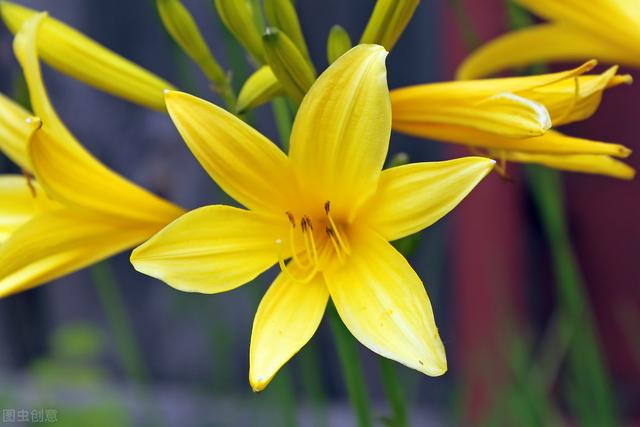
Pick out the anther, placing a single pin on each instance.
(292, 219)
(327, 206)
(308, 221)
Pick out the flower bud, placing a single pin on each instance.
(388, 21)
(294, 72)
(261, 87)
(338, 43)
(76, 55)
(239, 16)
(181, 26)
(282, 15)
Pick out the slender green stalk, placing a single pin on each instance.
(284, 121)
(394, 393)
(312, 383)
(586, 363)
(119, 322)
(351, 368)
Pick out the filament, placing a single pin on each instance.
(285, 269)
(334, 228)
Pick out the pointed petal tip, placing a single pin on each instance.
(259, 383)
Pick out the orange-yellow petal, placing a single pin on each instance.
(20, 200)
(14, 132)
(556, 42)
(59, 242)
(213, 249)
(244, 163)
(414, 196)
(341, 133)
(383, 302)
(288, 316)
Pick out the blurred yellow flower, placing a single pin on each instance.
(325, 213)
(608, 30)
(76, 55)
(509, 118)
(77, 211)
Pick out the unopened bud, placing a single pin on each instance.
(388, 21)
(261, 87)
(338, 43)
(294, 72)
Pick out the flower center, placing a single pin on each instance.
(313, 243)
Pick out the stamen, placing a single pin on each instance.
(332, 237)
(334, 228)
(285, 268)
(292, 219)
(310, 241)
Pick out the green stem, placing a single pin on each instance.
(586, 362)
(284, 121)
(312, 383)
(351, 369)
(119, 322)
(394, 393)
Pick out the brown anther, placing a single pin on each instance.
(330, 232)
(308, 221)
(327, 206)
(292, 219)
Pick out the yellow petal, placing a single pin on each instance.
(483, 88)
(551, 142)
(262, 86)
(541, 43)
(585, 163)
(504, 113)
(288, 316)
(64, 168)
(71, 175)
(245, 164)
(414, 196)
(341, 134)
(383, 303)
(14, 132)
(76, 55)
(213, 249)
(59, 242)
(575, 99)
(614, 20)
(20, 200)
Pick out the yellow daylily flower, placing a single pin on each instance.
(77, 211)
(608, 30)
(72, 53)
(325, 213)
(514, 114)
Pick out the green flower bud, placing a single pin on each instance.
(338, 43)
(260, 88)
(388, 21)
(294, 72)
(239, 16)
(281, 14)
(181, 26)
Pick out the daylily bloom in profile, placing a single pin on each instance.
(608, 30)
(325, 213)
(76, 211)
(72, 53)
(509, 118)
